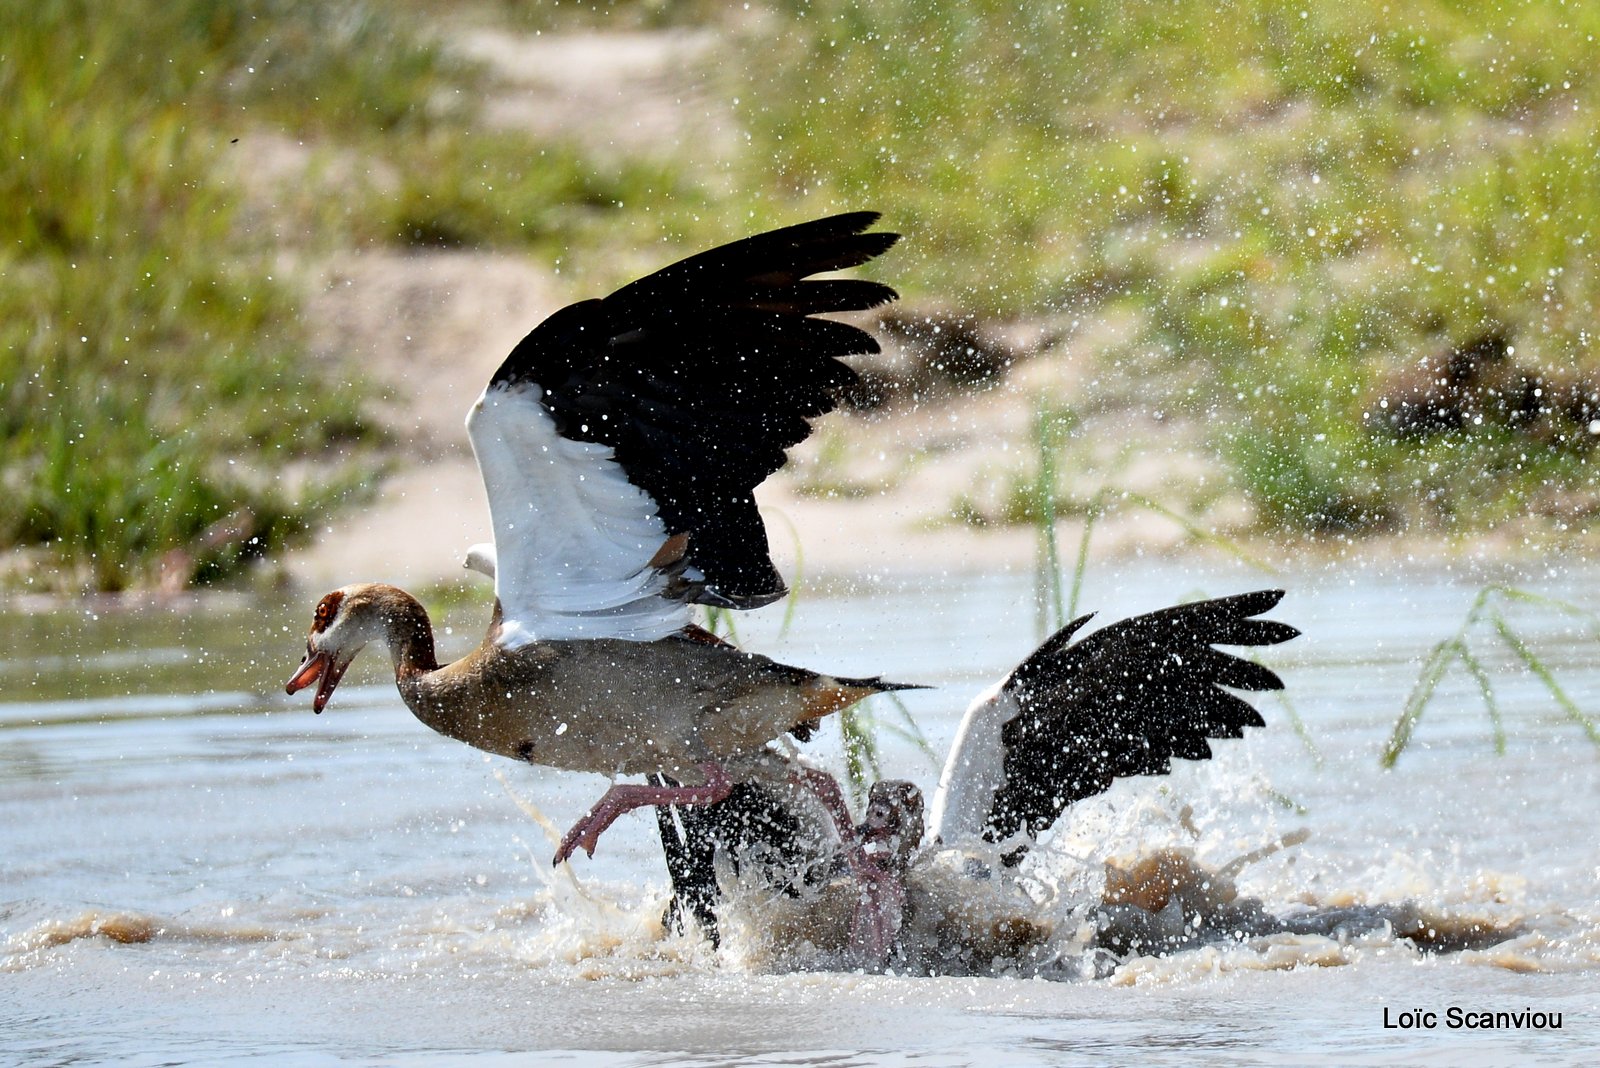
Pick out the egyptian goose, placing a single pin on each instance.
(620, 443)
(1073, 716)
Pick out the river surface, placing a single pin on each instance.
(194, 869)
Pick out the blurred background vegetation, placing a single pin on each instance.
(1350, 240)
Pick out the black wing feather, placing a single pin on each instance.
(1125, 701)
(700, 377)
(753, 824)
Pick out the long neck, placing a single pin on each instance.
(407, 632)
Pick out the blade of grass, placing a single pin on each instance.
(1080, 567)
(908, 728)
(1520, 649)
(861, 768)
(1285, 801)
(1300, 729)
(1199, 533)
(1486, 688)
(1512, 593)
(1427, 681)
(792, 601)
(1048, 576)
(720, 621)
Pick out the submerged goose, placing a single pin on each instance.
(1074, 715)
(620, 443)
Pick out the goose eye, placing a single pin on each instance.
(326, 609)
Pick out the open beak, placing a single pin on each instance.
(322, 669)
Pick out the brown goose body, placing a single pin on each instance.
(617, 707)
(620, 443)
(602, 705)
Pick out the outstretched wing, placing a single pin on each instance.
(1123, 701)
(622, 440)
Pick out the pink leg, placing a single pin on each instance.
(881, 908)
(627, 797)
(879, 913)
(826, 789)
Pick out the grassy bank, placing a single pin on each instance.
(1292, 204)
(155, 389)
(1286, 206)
(160, 417)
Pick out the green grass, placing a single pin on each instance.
(506, 189)
(1297, 200)
(861, 725)
(156, 384)
(1292, 202)
(1487, 613)
(597, 15)
(1041, 147)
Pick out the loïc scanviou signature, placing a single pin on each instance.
(1456, 1018)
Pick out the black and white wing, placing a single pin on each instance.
(1123, 701)
(622, 440)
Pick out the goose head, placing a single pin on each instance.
(893, 825)
(342, 625)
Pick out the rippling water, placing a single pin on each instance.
(195, 869)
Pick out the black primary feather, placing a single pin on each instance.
(753, 825)
(1126, 700)
(702, 375)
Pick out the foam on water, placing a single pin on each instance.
(1141, 887)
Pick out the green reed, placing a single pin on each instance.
(1487, 614)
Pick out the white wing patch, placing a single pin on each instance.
(573, 538)
(975, 769)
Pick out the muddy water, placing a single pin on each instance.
(195, 869)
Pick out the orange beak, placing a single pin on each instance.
(322, 669)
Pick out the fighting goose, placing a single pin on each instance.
(620, 443)
(1074, 715)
